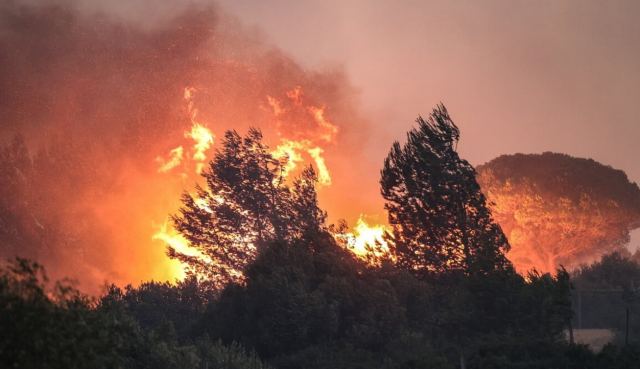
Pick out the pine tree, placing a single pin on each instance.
(439, 216)
(246, 204)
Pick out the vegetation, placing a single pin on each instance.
(246, 205)
(606, 296)
(439, 215)
(560, 210)
(271, 286)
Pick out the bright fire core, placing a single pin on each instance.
(297, 151)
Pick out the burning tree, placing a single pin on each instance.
(246, 204)
(557, 209)
(439, 216)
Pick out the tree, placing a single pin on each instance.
(246, 204)
(438, 214)
(560, 210)
(45, 326)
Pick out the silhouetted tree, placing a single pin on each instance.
(246, 204)
(439, 216)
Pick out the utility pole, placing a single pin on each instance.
(626, 331)
(629, 296)
(579, 309)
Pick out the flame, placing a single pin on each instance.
(367, 241)
(202, 136)
(292, 152)
(202, 204)
(175, 158)
(321, 127)
(289, 150)
(324, 178)
(366, 237)
(330, 130)
(203, 140)
(295, 95)
(175, 240)
(275, 106)
(316, 131)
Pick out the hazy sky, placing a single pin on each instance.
(517, 76)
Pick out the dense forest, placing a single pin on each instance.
(270, 286)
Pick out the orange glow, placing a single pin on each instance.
(175, 158)
(202, 135)
(203, 140)
(173, 239)
(324, 178)
(120, 117)
(328, 128)
(288, 152)
(366, 240)
(295, 95)
(291, 153)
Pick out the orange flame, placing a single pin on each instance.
(324, 178)
(203, 140)
(291, 151)
(330, 130)
(175, 158)
(202, 135)
(199, 133)
(367, 241)
(173, 239)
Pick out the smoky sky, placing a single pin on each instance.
(97, 93)
(517, 76)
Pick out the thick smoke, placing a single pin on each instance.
(560, 210)
(90, 100)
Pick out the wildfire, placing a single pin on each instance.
(291, 152)
(316, 125)
(366, 240)
(175, 158)
(173, 239)
(330, 130)
(295, 148)
(201, 135)
(203, 140)
(323, 172)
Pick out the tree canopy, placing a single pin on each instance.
(560, 210)
(440, 218)
(246, 203)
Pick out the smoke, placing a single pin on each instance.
(560, 210)
(98, 95)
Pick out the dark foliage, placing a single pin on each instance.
(605, 292)
(313, 305)
(439, 216)
(245, 205)
(57, 327)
